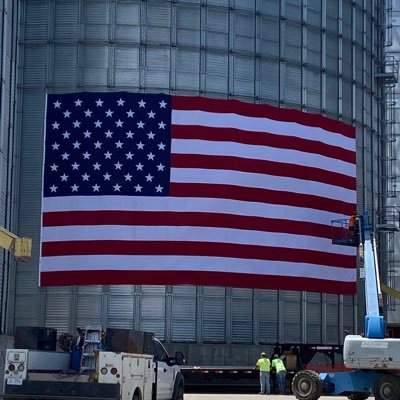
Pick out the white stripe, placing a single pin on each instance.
(179, 263)
(262, 181)
(188, 204)
(264, 153)
(192, 234)
(258, 124)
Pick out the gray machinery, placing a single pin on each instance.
(373, 359)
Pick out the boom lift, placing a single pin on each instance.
(20, 247)
(373, 358)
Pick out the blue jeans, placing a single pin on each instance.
(264, 382)
(281, 377)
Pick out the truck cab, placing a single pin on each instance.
(170, 384)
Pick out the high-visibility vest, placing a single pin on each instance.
(264, 364)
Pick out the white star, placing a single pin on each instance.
(66, 114)
(75, 187)
(53, 188)
(75, 165)
(108, 133)
(161, 125)
(65, 156)
(54, 167)
(116, 187)
(118, 165)
(96, 188)
(151, 114)
(85, 177)
(140, 124)
(66, 134)
(109, 113)
(76, 145)
(120, 102)
(96, 166)
(57, 104)
(55, 125)
(98, 124)
(88, 113)
(77, 124)
(139, 167)
(150, 156)
(99, 103)
(119, 144)
(55, 146)
(141, 103)
(107, 176)
(128, 177)
(140, 145)
(138, 188)
(162, 104)
(64, 177)
(86, 156)
(159, 189)
(130, 113)
(149, 178)
(161, 146)
(78, 103)
(160, 167)
(119, 123)
(129, 156)
(107, 155)
(151, 135)
(97, 145)
(130, 134)
(87, 134)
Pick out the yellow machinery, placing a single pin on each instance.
(20, 247)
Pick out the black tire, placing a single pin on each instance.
(359, 396)
(136, 396)
(387, 387)
(179, 393)
(306, 385)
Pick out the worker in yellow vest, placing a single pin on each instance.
(280, 370)
(264, 366)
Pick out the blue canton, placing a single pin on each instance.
(107, 144)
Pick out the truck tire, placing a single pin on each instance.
(387, 387)
(359, 396)
(306, 385)
(179, 393)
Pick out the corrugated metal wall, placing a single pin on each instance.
(393, 270)
(314, 55)
(9, 141)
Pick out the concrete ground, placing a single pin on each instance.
(241, 396)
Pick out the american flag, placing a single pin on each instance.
(159, 189)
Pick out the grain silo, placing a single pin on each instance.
(318, 56)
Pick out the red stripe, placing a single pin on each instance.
(206, 249)
(260, 195)
(262, 139)
(113, 277)
(165, 218)
(263, 167)
(263, 111)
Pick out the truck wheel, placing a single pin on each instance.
(179, 393)
(306, 385)
(387, 387)
(359, 396)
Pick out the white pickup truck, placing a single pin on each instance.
(34, 374)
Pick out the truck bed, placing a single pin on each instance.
(45, 386)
